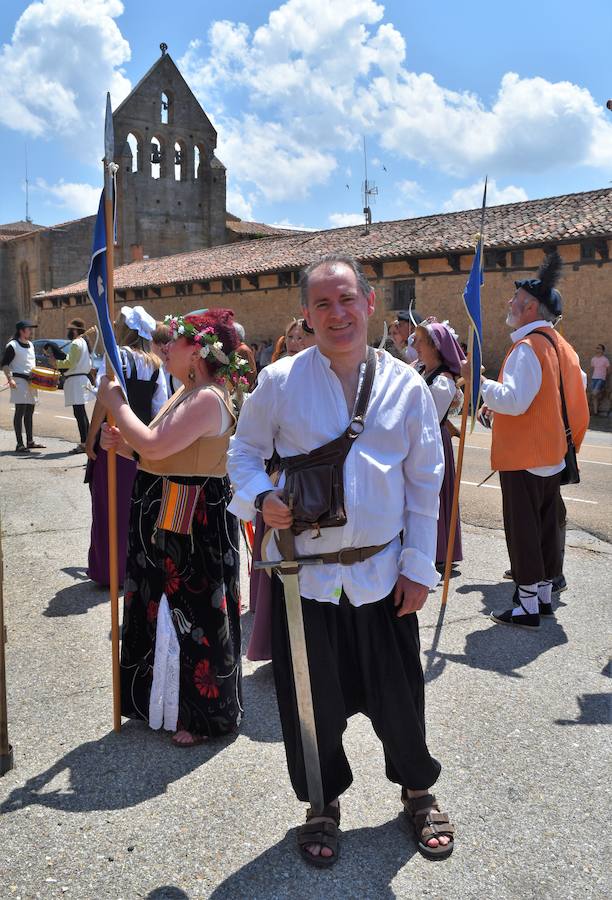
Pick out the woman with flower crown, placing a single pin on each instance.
(180, 654)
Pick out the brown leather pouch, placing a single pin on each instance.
(314, 482)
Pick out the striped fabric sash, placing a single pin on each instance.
(178, 505)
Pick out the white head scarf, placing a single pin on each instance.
(138, 319)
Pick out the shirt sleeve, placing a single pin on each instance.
(160, 394)
(521, 382)
(423, 473)
(251, 445)
(8, 356)
(443, 392)
(74, 355)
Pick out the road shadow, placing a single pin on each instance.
(595, 709)
(76, 599)
(261, 721)
(117, 771)
(370, 858)
(500, 648)
(167, 892)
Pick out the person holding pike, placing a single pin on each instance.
(361, 457)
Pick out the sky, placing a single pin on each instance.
(443, 94)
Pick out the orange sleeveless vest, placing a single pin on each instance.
(537, 437)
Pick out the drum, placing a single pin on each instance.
(44, 379)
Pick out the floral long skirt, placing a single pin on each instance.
(199, 575)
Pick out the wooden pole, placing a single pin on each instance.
(113, 557)
(455, 507)
(6, 751)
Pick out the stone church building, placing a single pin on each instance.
(170, 198)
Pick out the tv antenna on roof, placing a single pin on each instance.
(27, 187)
(370, 191)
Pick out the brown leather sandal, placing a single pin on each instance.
(428, 822)
(323, 833)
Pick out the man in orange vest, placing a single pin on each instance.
(529, 441)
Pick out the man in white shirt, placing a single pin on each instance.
(529, 441)
(360, 620)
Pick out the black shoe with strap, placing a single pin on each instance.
(325, 834)
(545, 609)
(428, 822)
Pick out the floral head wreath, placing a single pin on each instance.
(232, 367)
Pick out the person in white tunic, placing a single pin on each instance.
(359, 603)
(17, 363)
(77, 386)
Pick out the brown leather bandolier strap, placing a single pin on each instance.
(348, 556)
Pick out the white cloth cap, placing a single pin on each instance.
(138, 319)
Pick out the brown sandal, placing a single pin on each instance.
(323, 833)
(428, 822)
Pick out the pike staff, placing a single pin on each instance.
(471, 300)
(100, 289)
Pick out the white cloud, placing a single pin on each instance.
(291, 226)
(318, 75)
(239, 205)
(409, 190)
(54, 72)
(471, 197)
(76, 199)
(340, 220)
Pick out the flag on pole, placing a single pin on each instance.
(471, 300)
(96, 289)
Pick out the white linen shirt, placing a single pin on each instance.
(392, 475)
(522, 379)
(144, 371)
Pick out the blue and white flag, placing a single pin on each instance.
(96, 288)
(471, 300)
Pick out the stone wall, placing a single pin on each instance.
(264, 310)
(162, 215)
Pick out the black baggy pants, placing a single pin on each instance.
(362, 659)
(533, 508)
(24, 413)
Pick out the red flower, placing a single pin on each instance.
(172, 580)
(205, 680)
(152, 611)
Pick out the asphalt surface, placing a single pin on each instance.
(520, 722)
(586, 504)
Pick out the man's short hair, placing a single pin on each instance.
(332, 259)
(240, 331)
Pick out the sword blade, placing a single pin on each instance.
(301, 679)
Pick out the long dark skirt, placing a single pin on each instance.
(98, 544)
(201, 582)
(446, 504)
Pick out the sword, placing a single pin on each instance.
(301, 672)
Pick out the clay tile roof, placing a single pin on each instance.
(258, 229)
(513, 225)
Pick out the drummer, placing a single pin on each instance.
(78, 365)
(17, 363)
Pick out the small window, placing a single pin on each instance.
(230, 285)
(517, 258)
(136, 148)
(180, 162)
(165, 109)
(284, 279)
(156, 158)
(404, 292)
(587, 250)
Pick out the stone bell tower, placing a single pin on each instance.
(170, 184)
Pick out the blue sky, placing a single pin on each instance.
(516, 91)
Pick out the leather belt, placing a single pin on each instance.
(345, 557)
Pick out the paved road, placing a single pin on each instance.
(518, 720)
(586, 504)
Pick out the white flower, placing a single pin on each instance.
(219, 354)
(204, 351)
(181, 329)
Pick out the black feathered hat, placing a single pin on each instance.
(543, 287)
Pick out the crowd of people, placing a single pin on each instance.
(214, 430)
